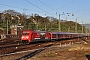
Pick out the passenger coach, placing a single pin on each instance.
(61, 35)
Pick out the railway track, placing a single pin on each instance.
(7, 42)
(11, 49)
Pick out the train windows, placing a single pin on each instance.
(59, 35)
(25, 34)
(54, 35)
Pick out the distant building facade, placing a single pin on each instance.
(16, 29)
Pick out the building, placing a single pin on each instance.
(16, 29)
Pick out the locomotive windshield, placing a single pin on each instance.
(25, 33)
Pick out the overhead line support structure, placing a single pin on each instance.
(59, 24)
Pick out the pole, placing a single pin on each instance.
(45, 23)
(37, 26)
(82, 26)
(59, 28)
(86, 28)
(7, 26)
(69, 29)
(66, 18)
(37, 23)
(76, 26)
(45, 27)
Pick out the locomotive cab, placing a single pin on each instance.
(32, 36)
(26, 36)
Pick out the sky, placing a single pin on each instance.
(80, 8)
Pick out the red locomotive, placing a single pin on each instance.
(34, 36)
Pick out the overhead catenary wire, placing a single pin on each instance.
(42, 9)
(60, 7)
(15, 7)
(65, 5)
(24, 9)
(20, 8)
(37, 7)
(46, 5)
(53, 8)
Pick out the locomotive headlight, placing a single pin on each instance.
(22, 37)
(46, 37)
(27, 37)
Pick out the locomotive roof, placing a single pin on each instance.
(35, 31)
(40, 31)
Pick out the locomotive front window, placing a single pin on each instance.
(25, 33)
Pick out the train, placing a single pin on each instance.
(29, 36)
(32, 36)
